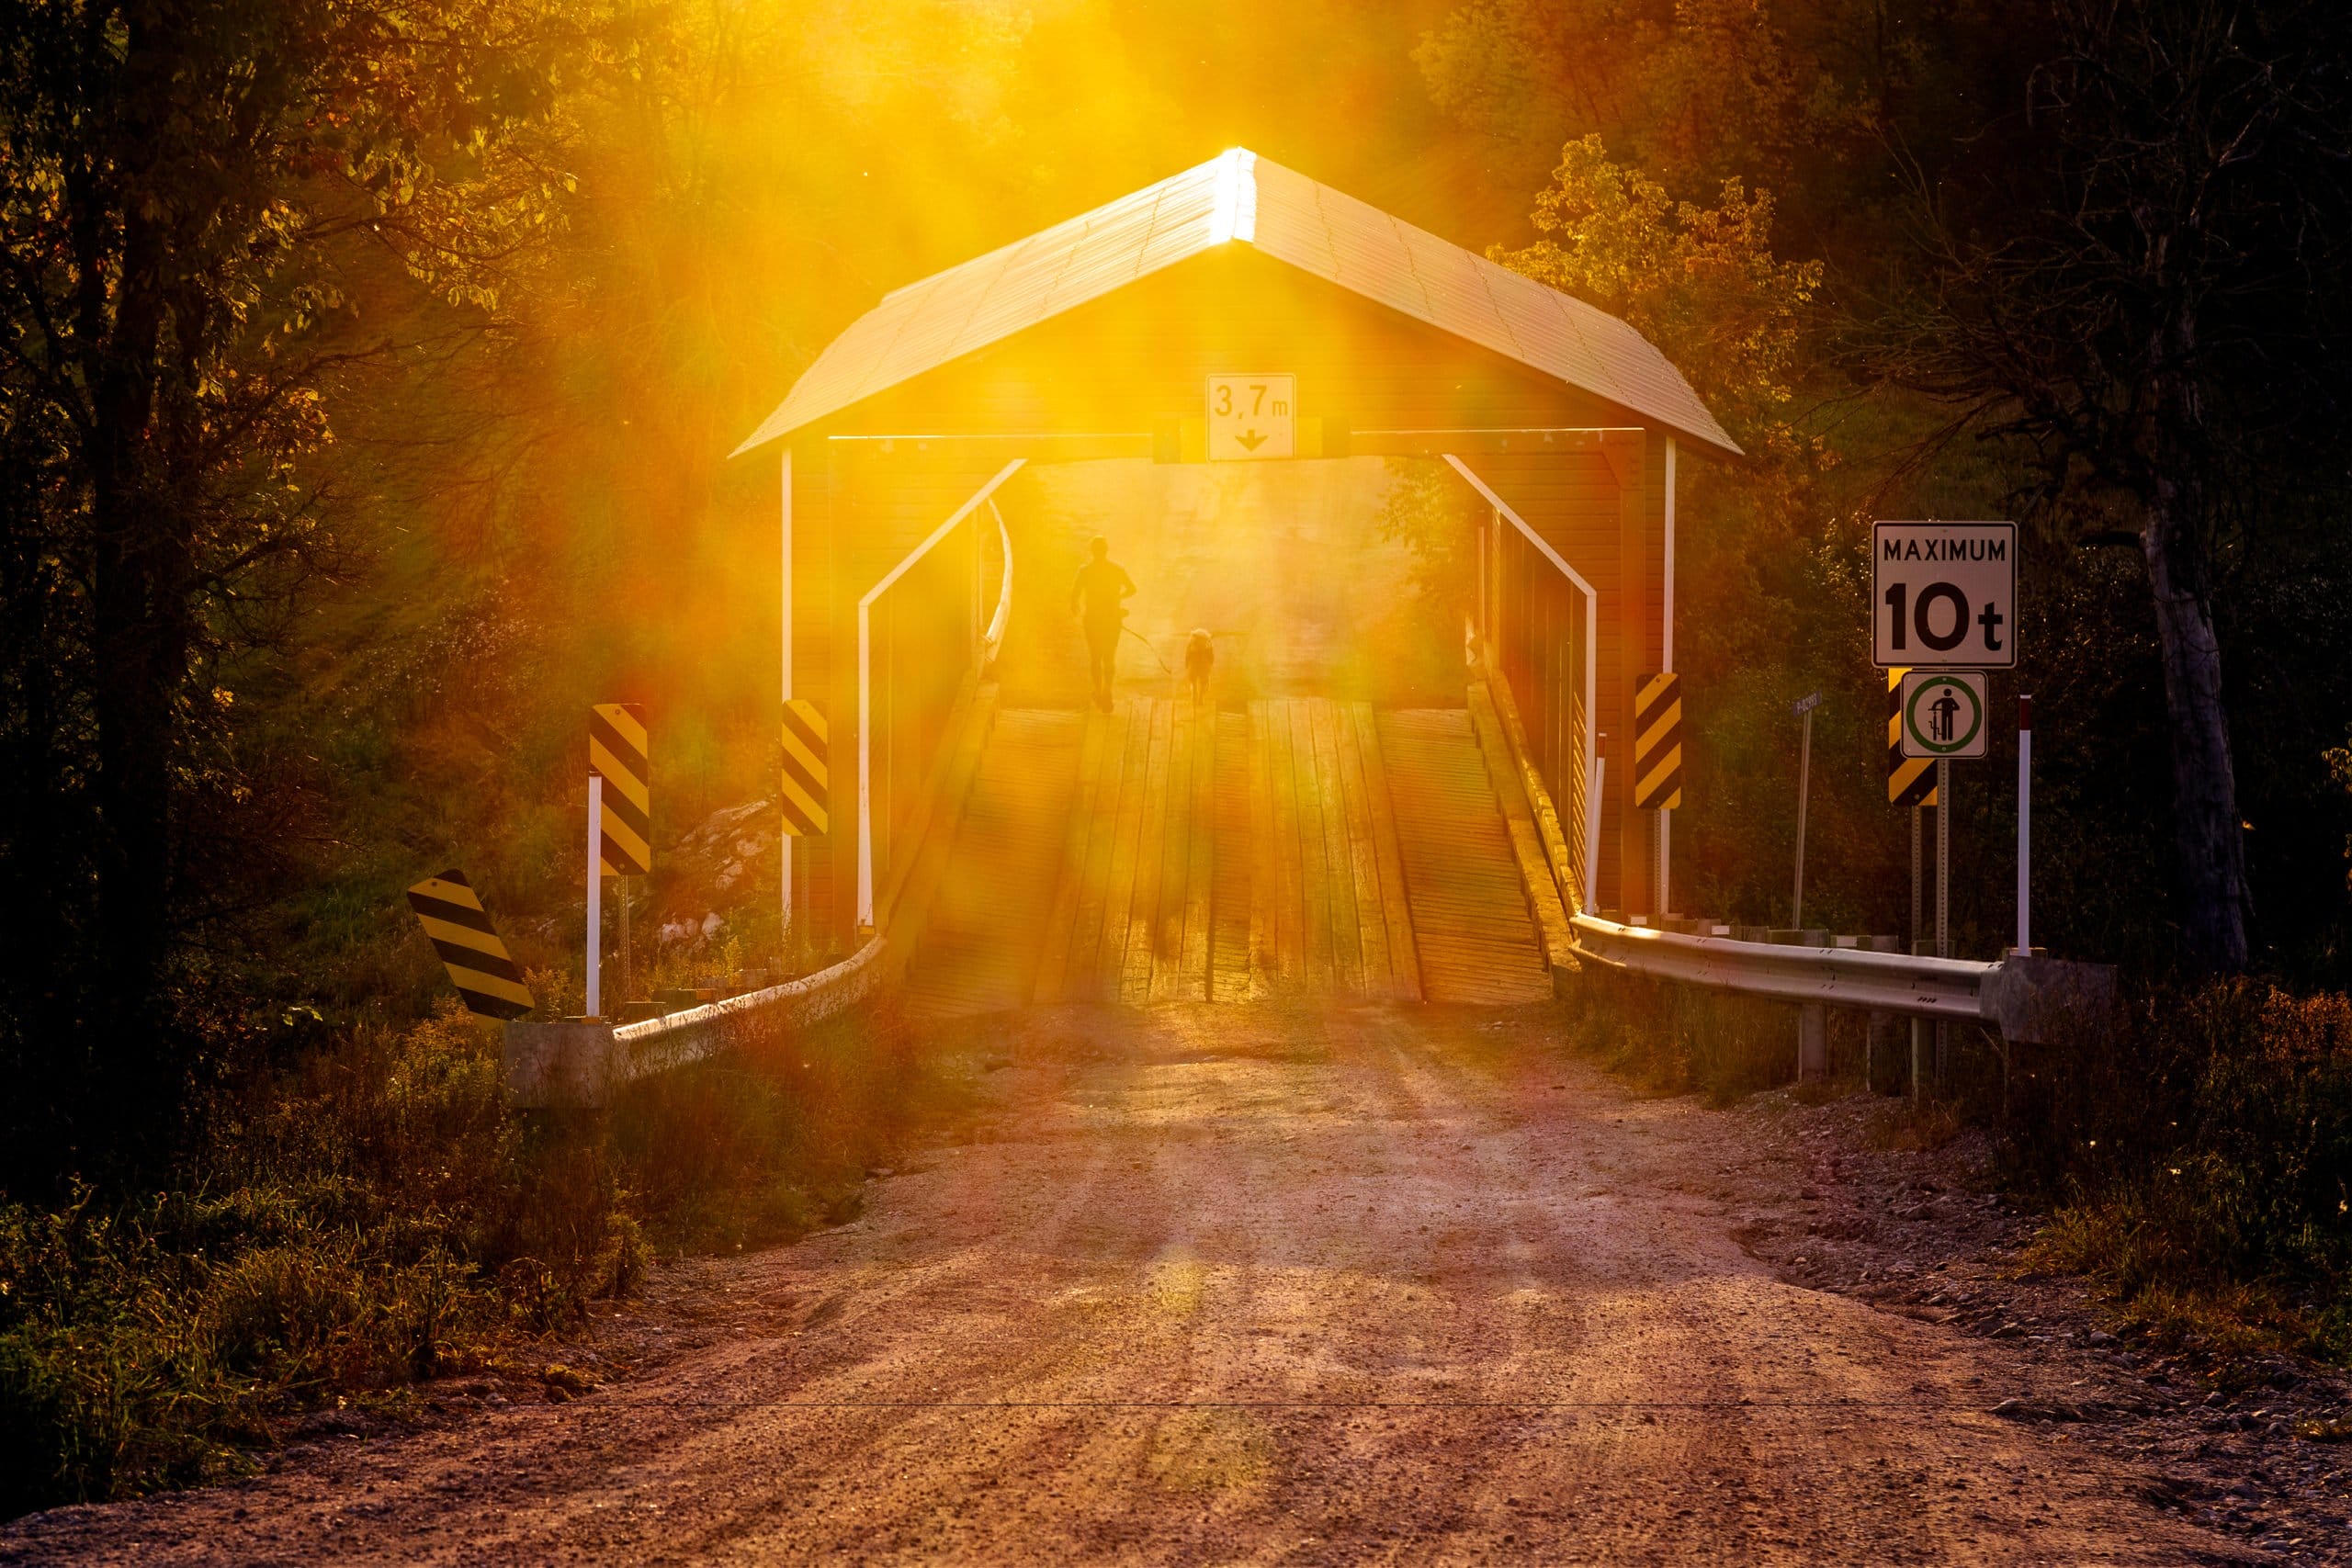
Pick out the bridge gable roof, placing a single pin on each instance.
(1241, 198)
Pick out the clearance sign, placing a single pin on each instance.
(1944, 595)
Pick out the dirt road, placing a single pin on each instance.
(1222, 1285)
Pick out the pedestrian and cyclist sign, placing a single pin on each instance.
(1943, 713)
(1944, 594)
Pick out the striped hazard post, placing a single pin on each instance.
(807, 775)
(617, 754)
(1658, 743)
(1910, 781)
(485, 974)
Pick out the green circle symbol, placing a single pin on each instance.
(1967, 695)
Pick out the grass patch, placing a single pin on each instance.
(380, 1215)
(1680, 1040)
(2112, 1241)
(2200, 1163)
(2197, 1158)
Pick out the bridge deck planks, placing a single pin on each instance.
(1338, 861)
(982, 948)
(1404, 958)
(1476, 942)
(1054, 968)
(1314, 862)
(1371, 918)
(1265, 877)
(1197, 848)
(1233, 862)
(1135, 968)
(1126, 826)
(1157, 852)
(1323, 919)
(1140, 862)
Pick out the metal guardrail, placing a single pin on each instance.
(2037, 1000)
(1839, 976)
(580, 1063)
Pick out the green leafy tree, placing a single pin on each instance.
(190, 191)
(1701, 282)
(1825, 102)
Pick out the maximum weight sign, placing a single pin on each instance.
(1944, 594)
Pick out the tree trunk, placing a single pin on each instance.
(139, 655)
(2205, 793)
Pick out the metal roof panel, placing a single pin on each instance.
(1241, 198)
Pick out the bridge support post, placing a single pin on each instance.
(786, 951)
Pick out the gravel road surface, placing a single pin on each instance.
(1244, 1285)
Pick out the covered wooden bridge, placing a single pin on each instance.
(1028, 846)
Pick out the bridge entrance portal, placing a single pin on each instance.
(1379, 795)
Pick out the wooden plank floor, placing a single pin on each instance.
(1476, 940)
(981, 951)
(1133, 907)
(1329, 911)
(1157, 852)
(1232, 862)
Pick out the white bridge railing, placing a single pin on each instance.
(580, 1062)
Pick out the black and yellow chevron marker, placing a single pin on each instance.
(1910, 781)
(1658, 743)
(479, 963)
(807, 788)
(617, 755)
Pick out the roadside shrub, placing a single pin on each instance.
(774, 1137)
(2198, 1157)
(378, 1215)
(2203, 1158)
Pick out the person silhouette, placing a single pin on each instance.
(1099, 598)
(1945, 708)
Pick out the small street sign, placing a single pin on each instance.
(1251, 417)
(1658, 743)
(1944, 594)
(1943, 713)
(1910, 781)
(1803, 708)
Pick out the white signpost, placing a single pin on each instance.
(1803, 708)
(1943, 713)
(1252, 417)
(1944, 595)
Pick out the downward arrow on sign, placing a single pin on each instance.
(1251, 440)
